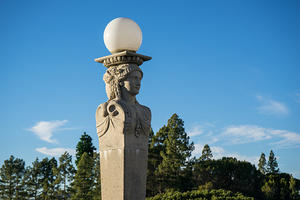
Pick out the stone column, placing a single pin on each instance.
(123, 127)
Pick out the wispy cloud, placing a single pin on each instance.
(55, 151)
(246, 134)
(45, 129)
(205, 130)
(250, 133)
(196, 130)
(289, 139)
(219, 152)
(271, 107)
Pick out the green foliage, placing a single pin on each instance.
(33, 180)
(11, 179)
(292, 186)
(176, 150)
(85, 145)
(229, 174)
(272, 164)
(47, 178)
(262, 163)
(65, 175)
(156, 146)
(201, 195)
(82, 186)
(206, 153)
(280, 187)
(97, 182)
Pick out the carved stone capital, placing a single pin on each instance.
(123, 57)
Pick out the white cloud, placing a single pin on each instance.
(250, 133)
(246, 134)
(288, 139)
(271, 107)
(45, 129)
(201, 129)
(196, 130)
(219, 152)
(55, 151)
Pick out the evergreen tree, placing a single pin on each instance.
(262, 163)
(206, 153)
(11, 177)
(83, 184)
(278, 187)
(178, 150)
(230, 174)
(48, 168)
(272, 164)
(292, 186)
(156, 148)
(150, 191)
(33, 180)
(97, 180)
(85, 144)
(65, 174)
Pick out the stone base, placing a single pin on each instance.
(123, 174)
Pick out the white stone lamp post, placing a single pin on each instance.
(123, 125)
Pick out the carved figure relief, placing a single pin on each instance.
(122, 112)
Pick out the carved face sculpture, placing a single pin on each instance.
(132, 83)
(126, 78)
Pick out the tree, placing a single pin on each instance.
(278, 187)
(178, 150)
(206, 153)
(33, 180)
(85, 144)
(230, 174)
(292, 186)
(97, 180)
(65, 174)
(262, 163)
(83, 184)
(152, 166)
(47, 172)
(272, 164)
(156, 144)
(11, 177)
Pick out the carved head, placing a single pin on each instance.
(126, 75)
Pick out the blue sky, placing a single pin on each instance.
(230, 69)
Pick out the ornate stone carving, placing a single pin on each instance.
(123, 57)
(122, 112)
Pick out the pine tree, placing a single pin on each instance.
(262, 163)
(156, 146)
(153, 159)
(269, 188)
(97, 180)
(292, 186)
(272, 164)
(84, 179)
(177, 151)
(85, 144)
(65, 174)
(48, 168)
(11, 176)
(206, 153)
(33, 180)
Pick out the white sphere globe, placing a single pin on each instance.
(122, 34)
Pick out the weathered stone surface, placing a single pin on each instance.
(123, 126)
